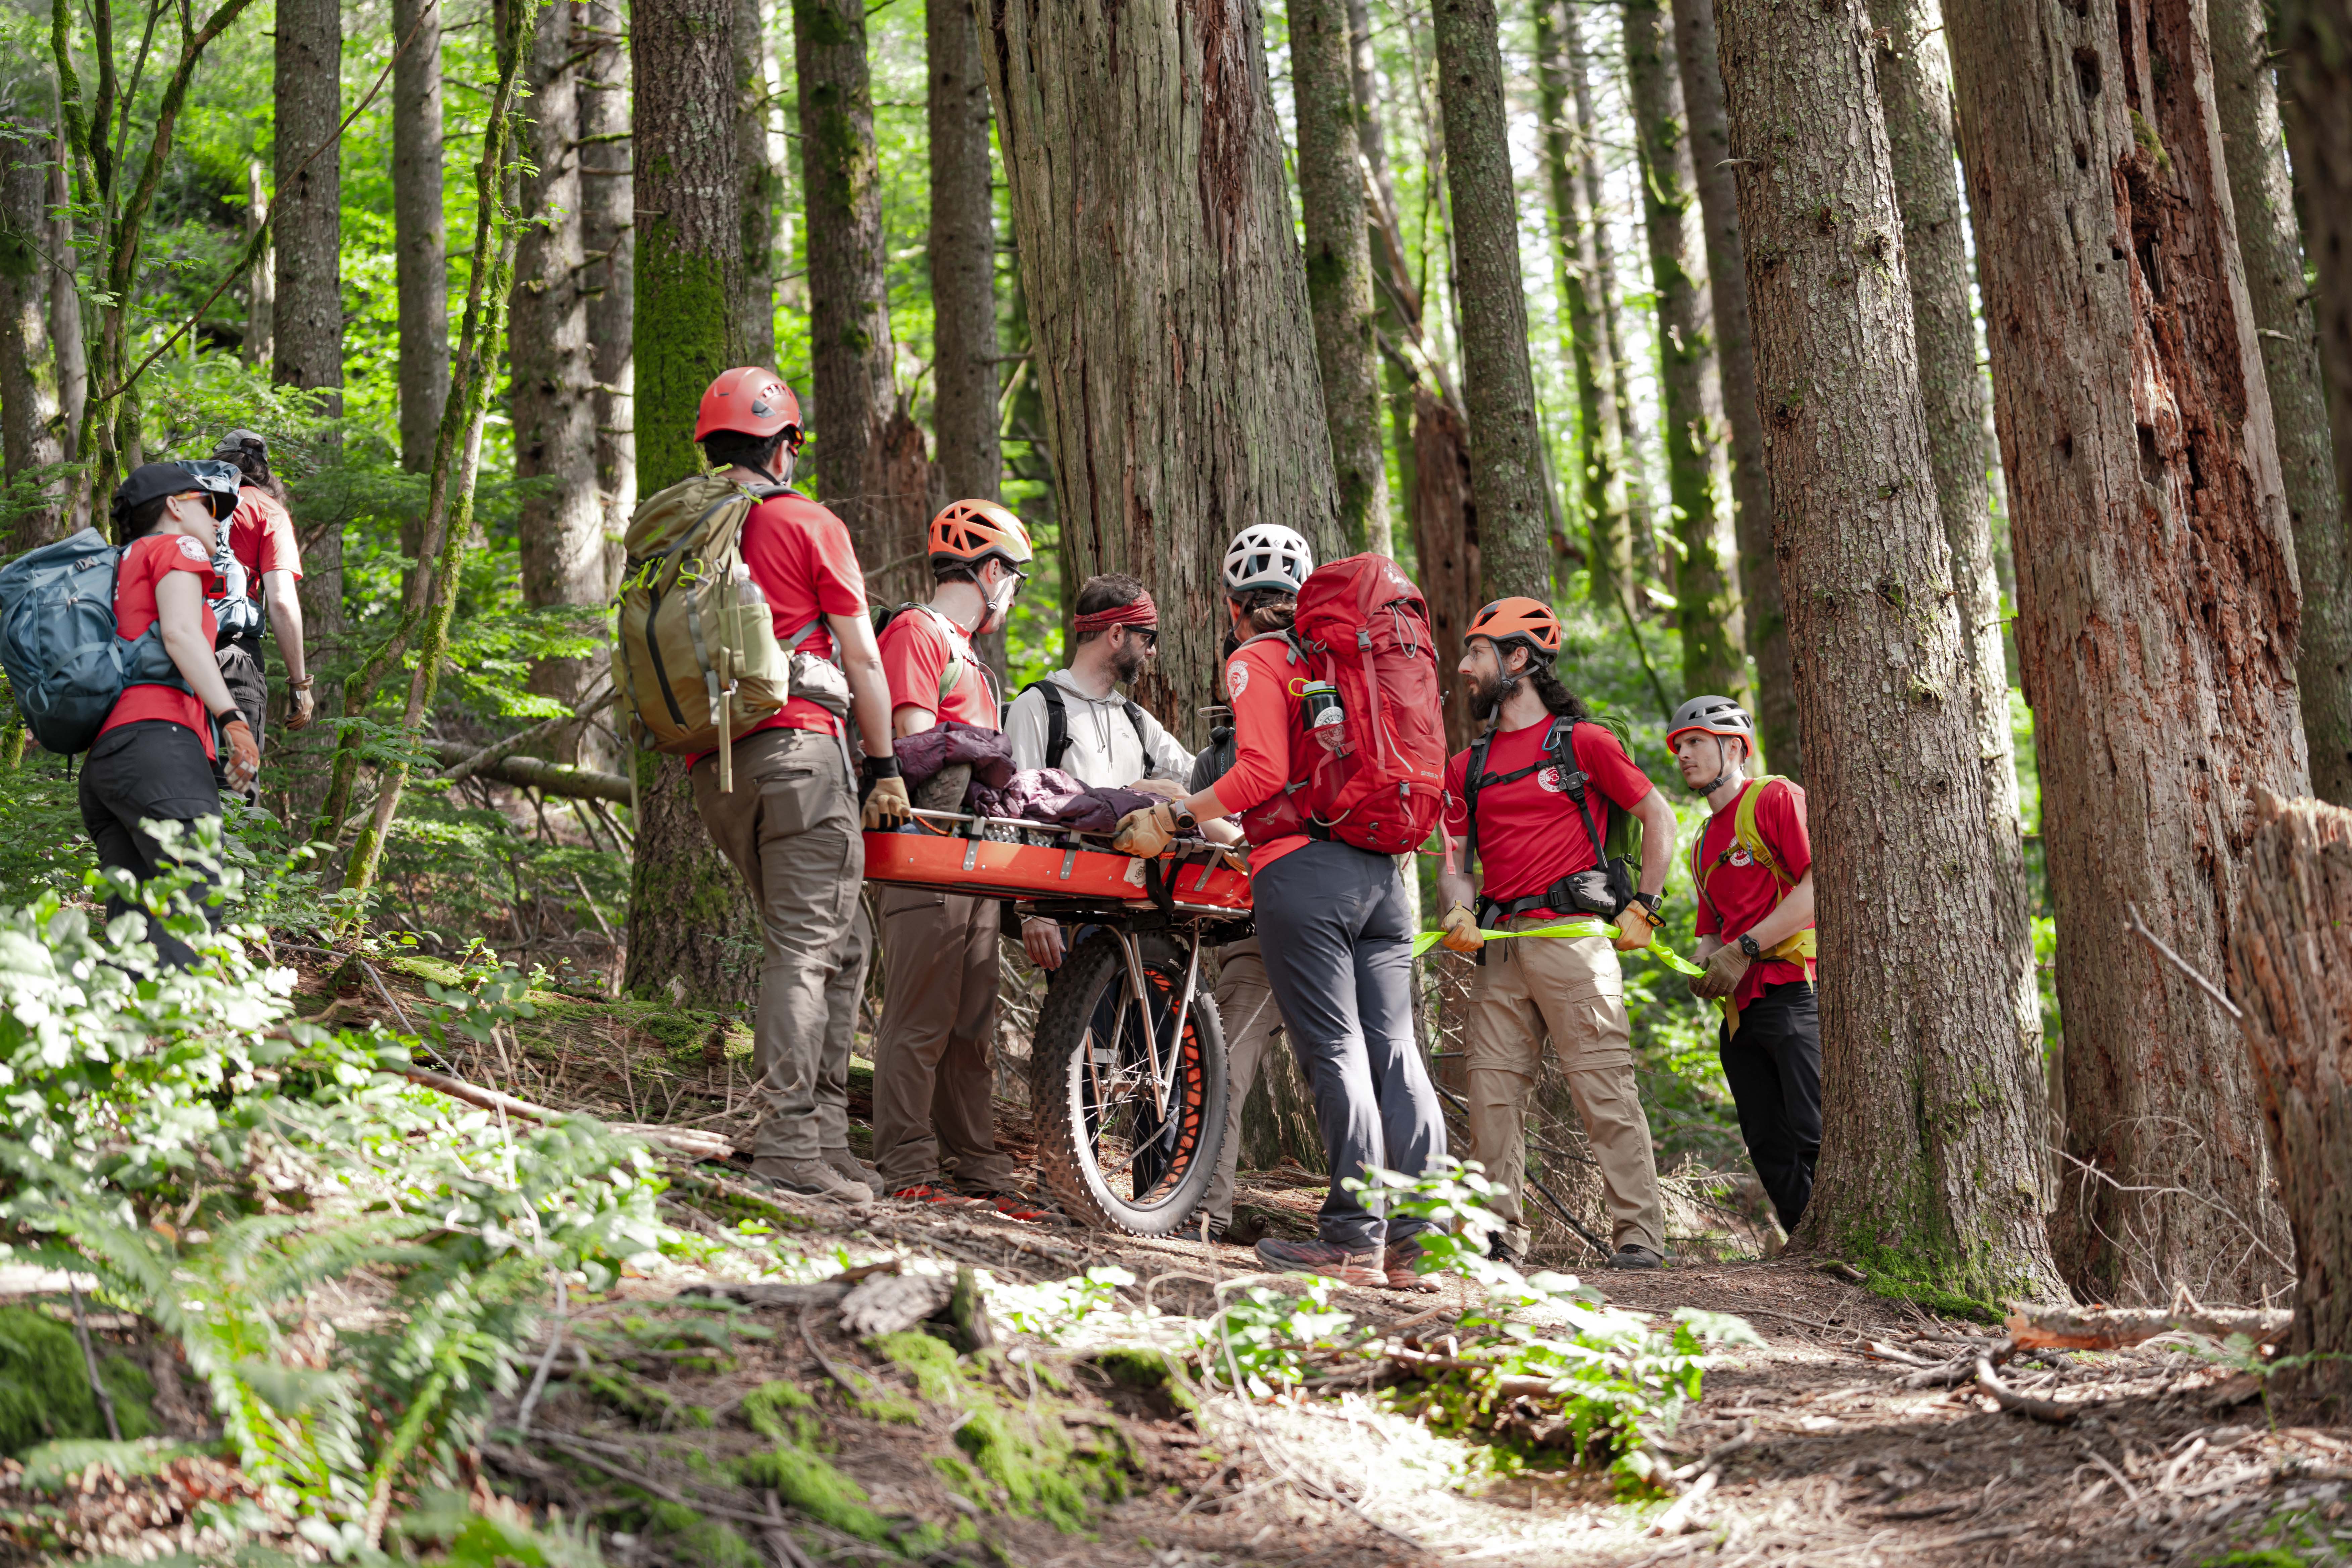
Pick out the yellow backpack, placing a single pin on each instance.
(1799, 948)
(697, 659)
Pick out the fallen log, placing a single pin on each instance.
(693, 1145)
(532, 773)
(2034, 1326)
(2008, 1398)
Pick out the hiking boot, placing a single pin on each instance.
(811, 1178)
(931, 1192)
(1323, 1257)
(1501, 1251)
(1631, 1256)
(1398, 1263)
(850, 1168)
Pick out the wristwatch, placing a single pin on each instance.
(1747, 945)
(1653, 902)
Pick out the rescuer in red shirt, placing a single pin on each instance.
(260, 562)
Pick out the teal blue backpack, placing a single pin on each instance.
(58, 644)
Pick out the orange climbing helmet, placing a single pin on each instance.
(967, 532)
(1528, 622)
(747, 399)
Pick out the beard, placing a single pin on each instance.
(1128, 663)
(1486, 696)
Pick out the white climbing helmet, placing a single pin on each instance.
(1267, 556)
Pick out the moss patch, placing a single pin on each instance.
(703, 1541)
(1151, 1374)
(811, 1485)
(782, 1411)
(44, 1385)
(931, 1362)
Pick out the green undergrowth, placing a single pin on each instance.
(45, 1393)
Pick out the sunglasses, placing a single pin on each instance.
(1150, 635)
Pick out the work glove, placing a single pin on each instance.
(1461, 928)
(1723, 972)
(1635, 927)
(244, 754)
(1043, 941)
(886, 807)
(1147, 833)
(301, 707)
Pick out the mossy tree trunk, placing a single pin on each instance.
(31, 417)
(1593, 303)
(1707, 611)
(306, 213)
(1166, 297)
(553, 386)
(1339, 259)
(764, 183)
(2253, 148)
(1931, 1139)
(962, 255)
(2157, 600)
(693, 935)
(1762, 621)
(607, 236)
(1916, 99)
(1445, 545)
(420, 237)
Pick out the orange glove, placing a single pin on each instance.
(301, 706)
(1635, 927)
(244, 754)
(1461, 928)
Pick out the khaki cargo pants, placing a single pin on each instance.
(1246, 1008)
(790, 826)
(934, 1114)
(1574, 991)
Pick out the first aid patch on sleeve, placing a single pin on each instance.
(1236, 679)
(192, 550)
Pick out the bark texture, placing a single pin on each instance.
(1167, 300)
(2291, 966)
(1912, 74)
(607, 233)
(31, 417)
(1707, 611)
(2312, 42)
(763, 183)
(420, 230)
(687, 911)
(2271, 244)
(1371, 141)
(1600, 449)
(262, 282)
(1446, 546)
(962, 256)
(1930, 1148)
(1762, 621)
(2157, 604)
(1339, 259)
(307, 317)
(553, 398)
(1613, 554)
(849, 318)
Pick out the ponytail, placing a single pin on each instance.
(1267, 610)
(1562, 702)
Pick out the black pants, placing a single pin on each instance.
(1774, 1066)
(240, 667)
(154, 770)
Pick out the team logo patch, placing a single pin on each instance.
(1740, 858)
(1551, 782)
(1236, 680)
(192, 550)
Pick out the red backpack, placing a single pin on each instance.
(1365, 627)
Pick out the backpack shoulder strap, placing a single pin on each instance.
(1057, 720)
(1561, 743)
(1472, 777)
(1749, 836)
(1135, 717)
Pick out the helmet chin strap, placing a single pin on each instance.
(1729, 770)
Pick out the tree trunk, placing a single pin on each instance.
(1148, 194)
(962, 256)
(260, 283)
(31, 421)
(1709, 612)
(1912, 74)
(1338, 260)
(553, 397)
(1931, 1144)
(1609, 488)
(1761, 618)
(65, 323)
(1446, 546)
(1379, 529)
(607, 235)
(688, 914)
(420, 230)
(2291, 969)
(762, 184)
(2156, 603)
(1600, 452)
(307, 317)
(2271, 247)
(849, 321)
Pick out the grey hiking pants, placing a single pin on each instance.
(1337, 937)
(790, 826)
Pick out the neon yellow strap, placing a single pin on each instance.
(1570, 931)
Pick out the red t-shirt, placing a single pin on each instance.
(917, 648)
(800, 555)
(1530, 834)
(145, 562)
(1266, 755)
(261, 536)
(1737, 892)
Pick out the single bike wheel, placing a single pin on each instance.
(1115, 1152)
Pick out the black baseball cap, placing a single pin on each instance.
(216, 483)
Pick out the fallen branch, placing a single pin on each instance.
(1678, 1519)
(573, 783)
(2039, 1327)
(498, 750)
(2008, 1398)
(694, 1145)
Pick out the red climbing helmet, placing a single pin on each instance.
(747, 399)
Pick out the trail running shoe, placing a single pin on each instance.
(811, 1178)
(928, 1192)
(1398, 1264)
(1325, 1259)
(1013, 1205)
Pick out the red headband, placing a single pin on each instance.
(1140, 613)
